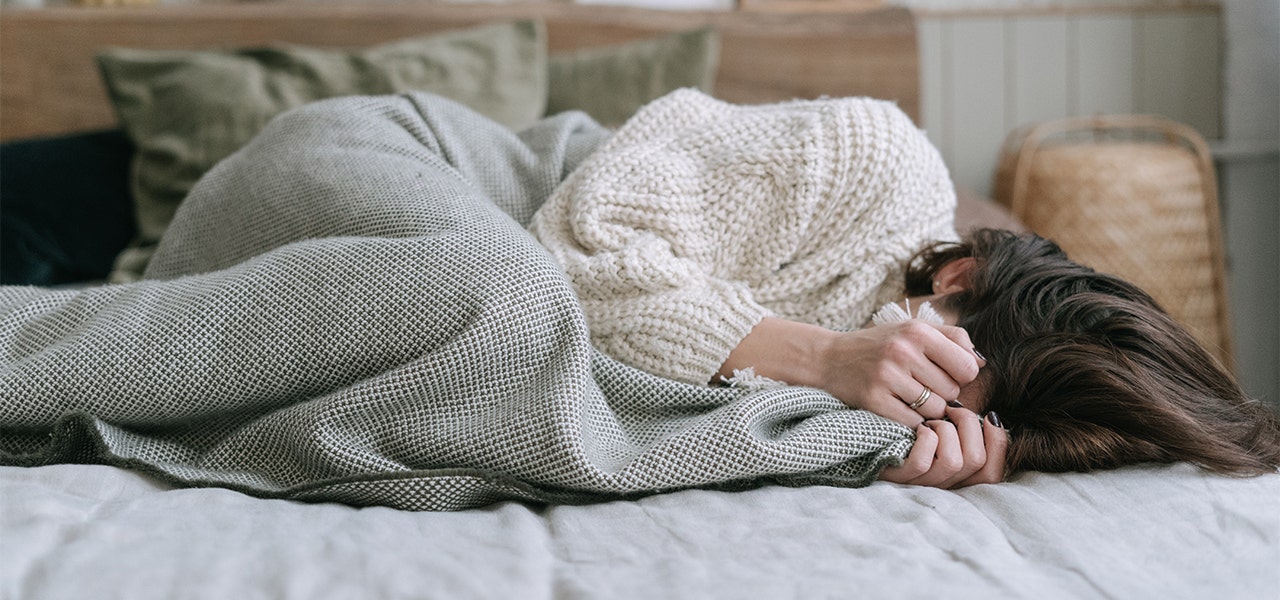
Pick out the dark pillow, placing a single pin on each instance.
(65, 207)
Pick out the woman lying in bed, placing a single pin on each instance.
(350, 308)
(699, 260)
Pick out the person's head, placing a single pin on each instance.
(1086, 370)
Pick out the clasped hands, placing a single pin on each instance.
(886, 369)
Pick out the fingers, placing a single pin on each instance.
(961, 338)
(947, 457)
(951, 351)
(939, 358)
(973, 450)
(932, 351)
(895, 410)
(996, 441)
(918, 461)
(911, 390)
(905, 371)
(963, 451)
(888, 405)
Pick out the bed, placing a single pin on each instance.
(138, 530)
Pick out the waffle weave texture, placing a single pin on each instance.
(705, 216)
(350, 309)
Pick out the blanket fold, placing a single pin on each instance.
(349, 309)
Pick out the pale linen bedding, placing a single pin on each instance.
(72, 531)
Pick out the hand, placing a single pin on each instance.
(885, 368)
(881, 369)
(963, 450)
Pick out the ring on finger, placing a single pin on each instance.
(924, 397)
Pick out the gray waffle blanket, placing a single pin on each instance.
(349, 309)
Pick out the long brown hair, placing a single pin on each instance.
(1088, 372)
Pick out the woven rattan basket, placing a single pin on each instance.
(1134, 196)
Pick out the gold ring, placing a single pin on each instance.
(924, 397)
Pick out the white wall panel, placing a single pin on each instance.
(1251, 194)
(934, 82)
(1105, 64)
(1179, 74)
(976, 111)
(1041, 76)
(1251, 187)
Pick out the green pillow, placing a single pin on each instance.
(186, 110)
(611, 83)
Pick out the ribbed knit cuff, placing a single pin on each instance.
(683, 335)
(721, 332)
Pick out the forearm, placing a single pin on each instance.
(674, 335)
(788, 351)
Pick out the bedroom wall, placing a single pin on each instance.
(1249, 167)
(987, 69)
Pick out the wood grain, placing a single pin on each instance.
(49, 82)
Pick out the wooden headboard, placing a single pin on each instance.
(49, 83)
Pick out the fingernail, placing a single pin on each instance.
(954, 404)
(994, 418)
(979, 354)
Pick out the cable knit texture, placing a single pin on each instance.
(699, 218)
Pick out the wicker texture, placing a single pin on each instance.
(1133, 196)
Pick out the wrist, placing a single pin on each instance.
(790, 351)
(811, 359)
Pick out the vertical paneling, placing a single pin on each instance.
(1104, 59)
(983, 76)
(934, 92)
(976, 62)
(1180, 75)
(1253, 249)
(1039, 70)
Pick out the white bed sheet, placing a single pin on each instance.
(74, 531)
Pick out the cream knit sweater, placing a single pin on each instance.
(699, 218)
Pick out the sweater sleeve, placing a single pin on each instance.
(656, 235)
(647, 305)
(699, 218)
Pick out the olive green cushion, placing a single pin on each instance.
(611, 83)
(186, 110)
